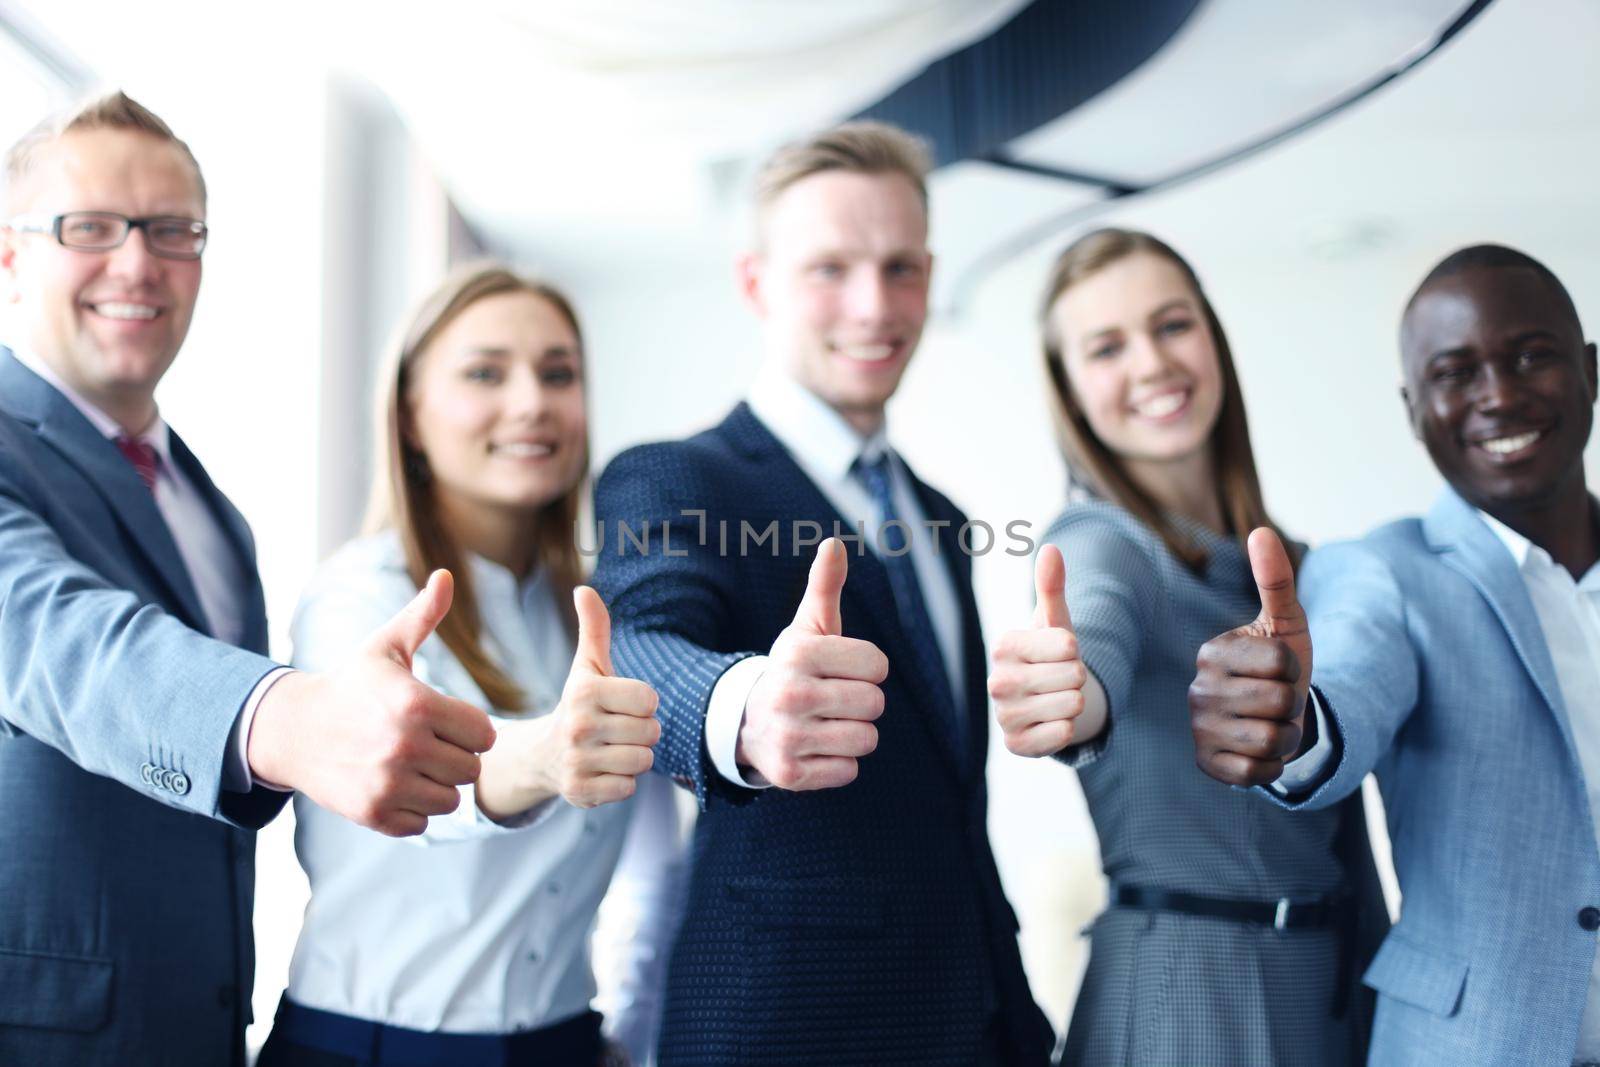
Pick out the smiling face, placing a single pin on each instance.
(1140, 359)
(841, 284)
(496, 405)
(108, 323)
(1500, 386)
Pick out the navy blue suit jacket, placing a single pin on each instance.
(126, 873)
(864, 924)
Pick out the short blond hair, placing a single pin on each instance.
(861, 147)
(115, 110)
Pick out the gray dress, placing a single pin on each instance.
(1164, 988)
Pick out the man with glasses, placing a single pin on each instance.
(140, 722)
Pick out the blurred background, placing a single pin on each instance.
(1312, 160)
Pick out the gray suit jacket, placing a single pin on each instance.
(1172, 988)
(127, 873)
(1432, 663)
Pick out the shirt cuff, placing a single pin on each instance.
(236, 776)
(1300, 772)
(725, 717)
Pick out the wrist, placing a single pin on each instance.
(518, 771)
(268, 748)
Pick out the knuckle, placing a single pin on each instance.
(788, 738)
(786, 772)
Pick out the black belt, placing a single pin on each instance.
(1284, 914)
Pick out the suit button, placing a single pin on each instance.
(145, 771)
(1589, 918)
(180, 783)
(164, 780)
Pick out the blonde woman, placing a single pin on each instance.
(469, 945)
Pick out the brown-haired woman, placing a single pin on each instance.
(1236, 931)
(469, 945)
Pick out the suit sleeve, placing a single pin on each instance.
(1365, 667)
(114, 683)
(670, 601)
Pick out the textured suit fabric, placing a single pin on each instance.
(125, 929)
(1431, 663)
(1168, 988)
(859, 925)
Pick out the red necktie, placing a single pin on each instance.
(142, 455)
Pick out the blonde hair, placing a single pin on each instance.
(402, 487)
(115, 110)
(861, 147)
(1099, 469)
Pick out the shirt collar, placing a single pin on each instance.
(1522, 550)
(156, 435)
(812, 431)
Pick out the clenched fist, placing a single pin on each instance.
(809, 716)
(1039, 685)
(592, 748)
(1247, 702)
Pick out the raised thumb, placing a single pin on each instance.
(819, 608)
(594, 632)
(1050, 590)
(402, 635)
(1269, 564)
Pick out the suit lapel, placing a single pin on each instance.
(63, 428)
(1467, 545)
(867, 586)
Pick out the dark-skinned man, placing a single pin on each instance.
(1457, 656)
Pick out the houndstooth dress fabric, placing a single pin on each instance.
(858, 925)
(1169, 989)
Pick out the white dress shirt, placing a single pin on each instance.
(826, 448)
(473, 927)
(1569, 616)
(214, 566)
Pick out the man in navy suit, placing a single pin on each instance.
(140, 721)
(1458, 657)
(845, 907)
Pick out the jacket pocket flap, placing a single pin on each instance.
(1418, 976)
(830, 903)
(54, 992)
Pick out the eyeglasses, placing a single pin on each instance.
(167, 236)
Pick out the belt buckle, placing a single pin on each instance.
(1280, 917)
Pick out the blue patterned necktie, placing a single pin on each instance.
(894, 544)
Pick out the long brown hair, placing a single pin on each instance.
(1099, 469)
(402, 487)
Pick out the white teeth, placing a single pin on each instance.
(524, 450)
(867, 353)
(1159, 407)
(126, 311)
(1503, 446)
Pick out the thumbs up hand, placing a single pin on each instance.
(809, 716)
(368, 740)
(1037, 681)
(604, 727)
(1247, 702)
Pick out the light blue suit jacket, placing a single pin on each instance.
(126, 872)
(1430, 658)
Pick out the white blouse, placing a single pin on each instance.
(475, 927)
